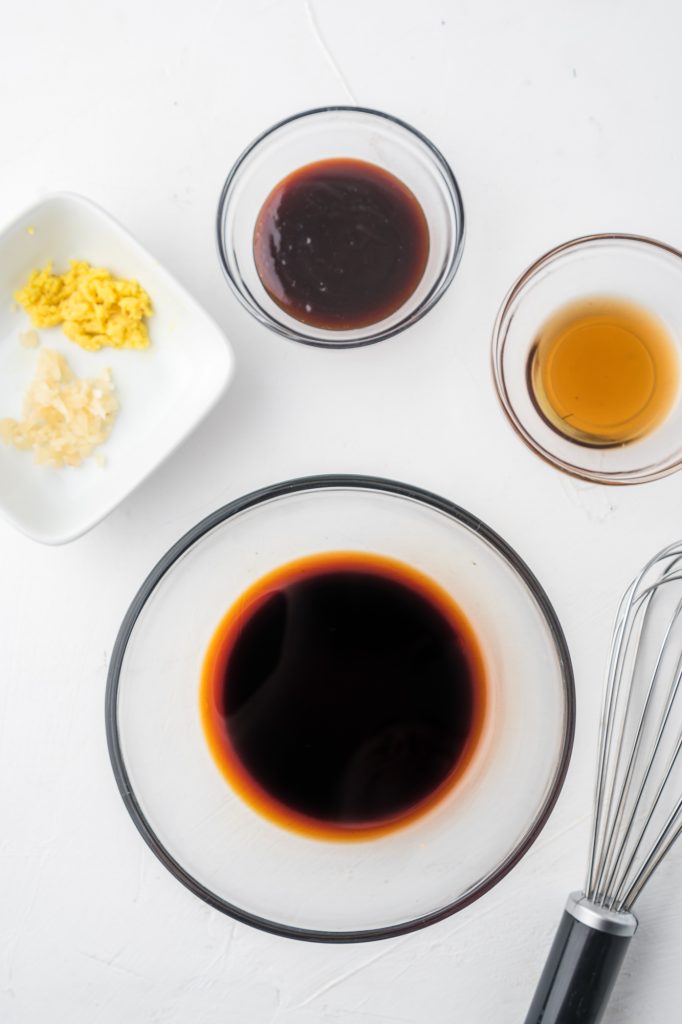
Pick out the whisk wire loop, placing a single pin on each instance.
(617, 849)
(639, 768)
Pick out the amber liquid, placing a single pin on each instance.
(341, 244)
(604, 371)
(343, 695)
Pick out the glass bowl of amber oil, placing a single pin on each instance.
(340, 227)
(586, 357)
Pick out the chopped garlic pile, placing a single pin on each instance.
(65, 417)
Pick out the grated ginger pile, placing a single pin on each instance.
(94, 308)
(65, 417)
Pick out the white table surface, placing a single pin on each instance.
(558, 119)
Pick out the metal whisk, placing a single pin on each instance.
(638, 797)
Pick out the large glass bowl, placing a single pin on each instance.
(323, 134)
(261, 873)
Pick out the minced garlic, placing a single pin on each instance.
(94, 308)
(65, 417)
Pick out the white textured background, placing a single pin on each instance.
(558, 119)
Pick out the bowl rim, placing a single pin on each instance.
(620, 478)
(284, 489)
(250, 303)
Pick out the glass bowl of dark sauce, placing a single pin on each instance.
(340, 708)
(340, 227)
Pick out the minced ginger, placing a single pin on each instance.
(65, 417)
(94, 308)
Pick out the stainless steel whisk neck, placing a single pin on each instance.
(613, 922)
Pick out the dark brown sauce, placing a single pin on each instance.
(340, 244)
(343, 695)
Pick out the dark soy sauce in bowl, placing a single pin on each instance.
(341, 244)
(343, 695)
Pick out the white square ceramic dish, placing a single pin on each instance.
(164, 391)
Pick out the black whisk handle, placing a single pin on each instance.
(582, 965)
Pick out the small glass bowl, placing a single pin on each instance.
(321, 134)
(630, 267)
